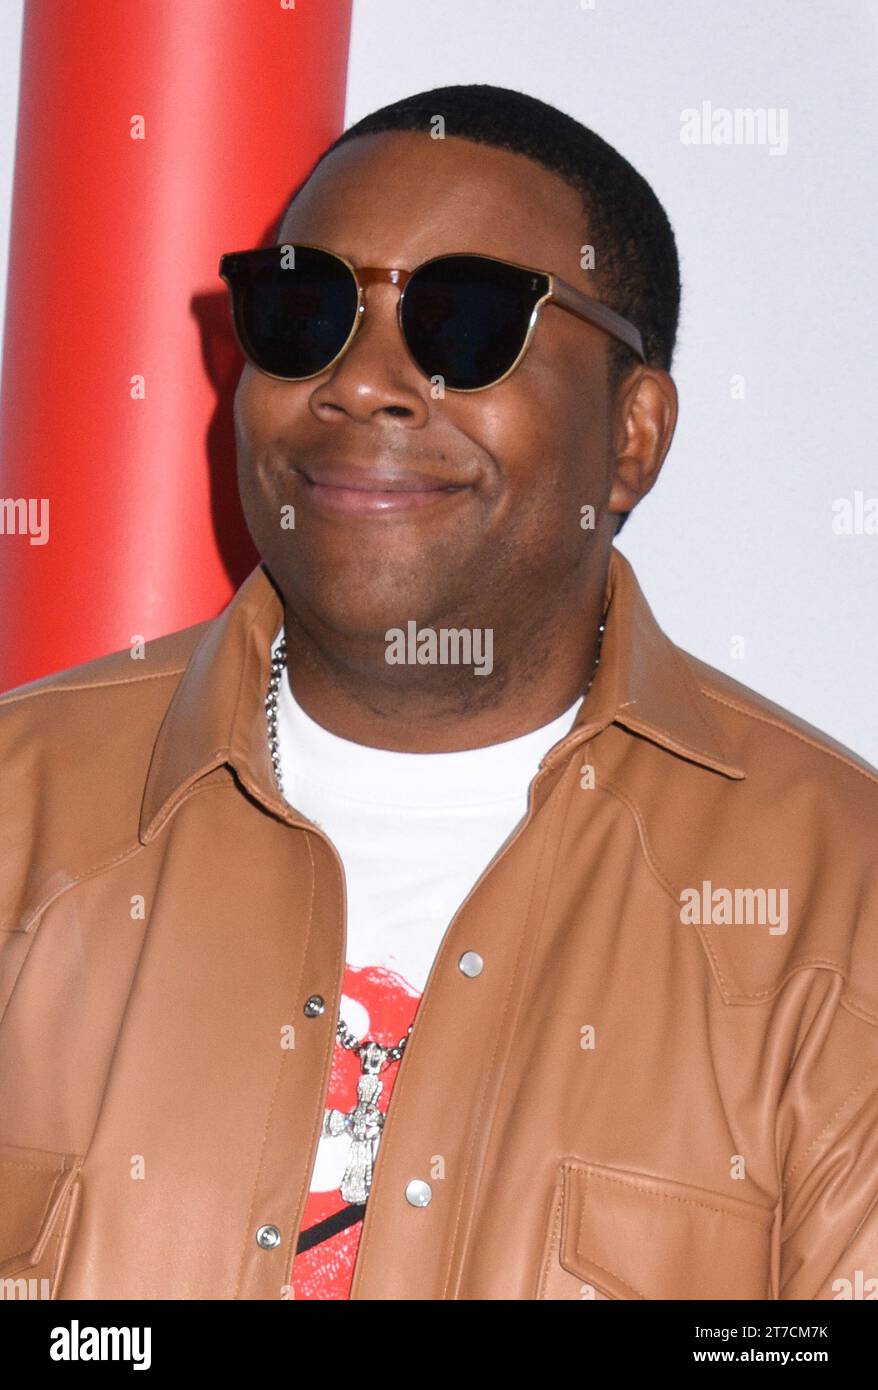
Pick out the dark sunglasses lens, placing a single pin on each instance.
(294, 319)
(465, 318)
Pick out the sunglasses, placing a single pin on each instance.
(465, 318)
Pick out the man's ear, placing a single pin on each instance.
(645, 417)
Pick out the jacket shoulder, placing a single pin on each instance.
(163, 656)
(75, 749)
(802, 822)
(752, 725)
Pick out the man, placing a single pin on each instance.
(515, 953)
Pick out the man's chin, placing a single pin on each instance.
(357, 614)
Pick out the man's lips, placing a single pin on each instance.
(343, 488)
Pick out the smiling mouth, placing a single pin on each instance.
(350, 494)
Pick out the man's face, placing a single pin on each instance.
(523, 457)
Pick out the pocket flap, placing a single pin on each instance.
(35, 1186)
(632, 1235)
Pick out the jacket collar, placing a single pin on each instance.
(217, 714)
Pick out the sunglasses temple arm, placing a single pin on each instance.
(593, 311)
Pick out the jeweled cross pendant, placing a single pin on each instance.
(363, 1124)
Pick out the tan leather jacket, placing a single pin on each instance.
(635, 1098)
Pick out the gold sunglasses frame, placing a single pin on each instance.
(558, 292)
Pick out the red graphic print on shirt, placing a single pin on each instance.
(326, 1270)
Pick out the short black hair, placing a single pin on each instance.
(636, 264)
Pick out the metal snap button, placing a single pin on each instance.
(471, 964)
(418, 1193)
(314, 1006)
(268, 1237)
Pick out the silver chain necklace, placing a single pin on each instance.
(365, 1121)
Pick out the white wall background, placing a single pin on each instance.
(780, 269)
(10, 55)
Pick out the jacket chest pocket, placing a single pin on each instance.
(616, 1233)
(39, 1192)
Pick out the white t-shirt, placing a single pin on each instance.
(414, 832)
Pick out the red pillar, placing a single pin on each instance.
(151, 138)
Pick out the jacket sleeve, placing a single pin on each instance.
(829, 1149)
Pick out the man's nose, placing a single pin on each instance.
(375, 373)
